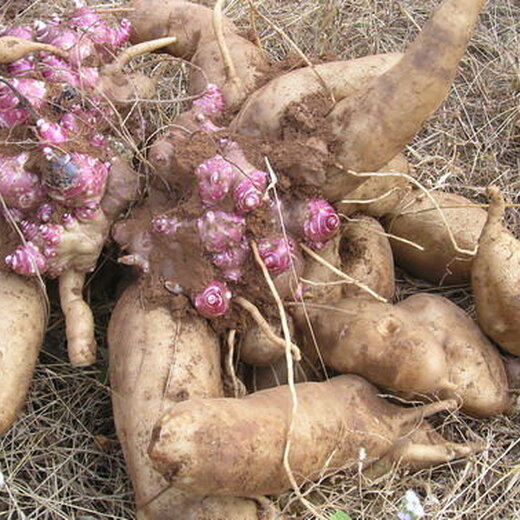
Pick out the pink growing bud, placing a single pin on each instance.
(51, 132)
(69, 122)
(212, 101)
(121, 34)
(29, 229)
(165, 225)
(230, 261)
(51, 234)
(88, 77)
(75, 180)
(206, 124)
(98, 140)
(64, 40)
(44, 212)
(25, 33)
(32, 89)
(87, 212)
(57, 70)
(214, 300)
(21, 67)
(27, 260)
(277, 253)
(215, 177)
(219, 230)
(13, 117)
(8, 98)
(90, 22)
(250, 191)
(321, 222)
(68, 221)
(20, 188)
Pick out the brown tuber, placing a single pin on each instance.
(236, 446)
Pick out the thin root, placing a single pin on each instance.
(239, 389)
(265, 327)
(340, 273)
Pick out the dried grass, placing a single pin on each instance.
(62, 461)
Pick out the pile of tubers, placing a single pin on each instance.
(248, 352)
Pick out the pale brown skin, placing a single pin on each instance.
(375, 125)
(475, 366)
(495, 279)
(158, 358)
(236, 446)
(383, 343)
(263, 112)
(367, 257)
(196, 41)
(385, 192)
(23, 321)
(417, 220)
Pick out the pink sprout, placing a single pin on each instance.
(87, 212)
(87, 20)
(25, 32)
(212, 101)
(20, 188)
(32, 89)
(215, 177)
(64, 40)
(29, 229)
(69, 122)
(321, 222)
(165, 225)
(88, 76)
(57, 70)
(21, 67)
(250, 191)
(214, 300)
(68, 220)
(277, 253)
(121, 34)
(51, 132)
(98, 140)
(13, 117)
(75, 180)
(44, 212)
(51, 233)
(219, 230)
(230, 261)
(27, 260)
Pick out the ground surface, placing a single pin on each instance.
(62, 460)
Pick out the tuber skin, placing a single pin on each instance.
(367, 257)
(159, 357)
(196, 41)
(385, 193)
(416, 219)
(475, 367)
(23, 321)
(383, 343)
(235, 446)
(495, 279)
(425, 346)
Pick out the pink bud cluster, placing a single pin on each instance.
(76, 180)
(321, 223)
(11, 113)
(277, 253)
(19, 187)
(217, 177)
(211, 103)
(214, 300)
(230, 261)
(165, 225)
(219, 231)
(27, 260)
